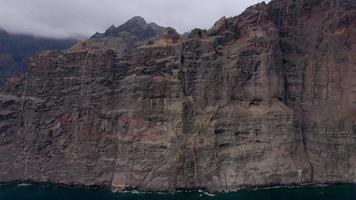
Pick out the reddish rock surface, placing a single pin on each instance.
(264, 98)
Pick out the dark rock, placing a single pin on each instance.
(16, 49)
(198, 34)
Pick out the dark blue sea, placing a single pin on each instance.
(50, 192)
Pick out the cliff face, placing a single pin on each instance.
(317, 40)
(264, 98)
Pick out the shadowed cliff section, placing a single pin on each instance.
(263, 98)
(16, 49)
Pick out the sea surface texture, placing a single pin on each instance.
(50, 192)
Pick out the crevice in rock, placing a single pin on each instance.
(304, 140)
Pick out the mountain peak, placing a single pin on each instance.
(135, 32)
(137, 20)
(135, 27)
(110, 30)
(112, 27)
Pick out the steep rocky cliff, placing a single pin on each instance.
(264, 98)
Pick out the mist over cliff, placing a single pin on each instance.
(16, 50)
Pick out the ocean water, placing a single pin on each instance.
(50, 192)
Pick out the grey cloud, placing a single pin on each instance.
(74, 18)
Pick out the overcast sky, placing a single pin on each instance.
(68, 18)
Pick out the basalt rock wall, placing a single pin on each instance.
(264, 98)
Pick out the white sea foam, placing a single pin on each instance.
(23, 184)
(206, 193)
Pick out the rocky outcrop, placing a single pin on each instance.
(264, 98)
